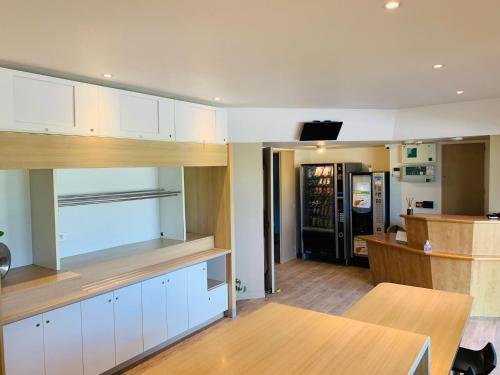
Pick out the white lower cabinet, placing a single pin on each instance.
(98, 333)
(177, 303)
(62, 340)
(23, 347)
(217, 300)
(197, 294)
(154, 312)
(128, 322)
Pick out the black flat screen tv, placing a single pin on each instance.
(320, 130)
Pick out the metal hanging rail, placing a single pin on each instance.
(122, 196)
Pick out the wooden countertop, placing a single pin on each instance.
(452, 218)
(111, 283)
(389, 240)
(438, 314)
(279, 339)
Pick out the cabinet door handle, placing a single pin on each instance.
(116, 298)
(109, 300)
(91, 130)
(47, 321)
(203, 268)
(163, 283)
(38, 325)
(168, 280)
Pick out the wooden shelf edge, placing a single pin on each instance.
(390, 241)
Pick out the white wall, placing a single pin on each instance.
(472, 118)
(376, 157)
(480, 117)
(419, 191)
(248, 197)
(284, 124)
(15, 215)
(84, 228)
(99, 226)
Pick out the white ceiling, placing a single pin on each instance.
(261, 53)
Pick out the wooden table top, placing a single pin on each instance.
(440, 315)
(279, 339)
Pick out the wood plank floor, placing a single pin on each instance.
(321, 287)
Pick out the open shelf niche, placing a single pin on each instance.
(78, 213)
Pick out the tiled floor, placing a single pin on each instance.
(326, 288)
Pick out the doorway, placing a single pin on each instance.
(276, 206)
(280, 217)
(463, 186)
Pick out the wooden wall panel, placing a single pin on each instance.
(209, 211)
(42, 151)
(485, 287)
(486, 239)
(416, 231)
(453, 238)
(451, 274)
(399, 267)
(208, 204)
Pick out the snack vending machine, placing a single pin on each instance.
(325, 210)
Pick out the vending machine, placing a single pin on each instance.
(325, 210)
(369, 211)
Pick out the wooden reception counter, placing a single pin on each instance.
(465, 258)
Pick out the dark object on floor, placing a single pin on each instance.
(475, 362)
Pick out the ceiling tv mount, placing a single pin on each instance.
(320, 130)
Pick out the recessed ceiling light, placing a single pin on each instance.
(457, 139)
(217, 99)
(460, 92)
(392, 5)
(107, 75)
(438, 66)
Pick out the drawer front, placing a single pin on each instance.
(217, 300)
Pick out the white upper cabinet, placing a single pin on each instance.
(133, 115)
(194, 122)
(41, 104)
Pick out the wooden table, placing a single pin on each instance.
(440, 315)
(279, 339)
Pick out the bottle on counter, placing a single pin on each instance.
(427, 247)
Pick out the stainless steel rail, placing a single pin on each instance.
(122, 196)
